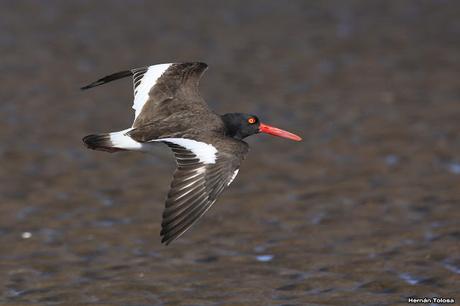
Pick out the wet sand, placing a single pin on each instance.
(364, 211)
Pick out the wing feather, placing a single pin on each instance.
(196, 186)
(173, 83)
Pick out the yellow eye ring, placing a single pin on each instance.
(252, 120)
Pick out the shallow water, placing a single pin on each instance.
(364, 211)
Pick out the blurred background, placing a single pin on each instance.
(364, 211)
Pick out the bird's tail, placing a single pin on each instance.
(113, 142)
(100, 142)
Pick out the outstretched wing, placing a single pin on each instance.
(160, 89)
(144, 79)
(203, 171)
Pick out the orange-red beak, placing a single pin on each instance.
(264, 128)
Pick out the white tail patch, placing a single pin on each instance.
(123, 141)
(206, 153)
(148, 81)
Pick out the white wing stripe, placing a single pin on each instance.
(149, 80)
(235, 173)
(206, 153)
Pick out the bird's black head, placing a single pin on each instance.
(239, 126)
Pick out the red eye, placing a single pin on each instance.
(252, 120)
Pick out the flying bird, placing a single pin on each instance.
(208, 148)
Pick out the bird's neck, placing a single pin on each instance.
(232, 125)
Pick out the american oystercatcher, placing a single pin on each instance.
(208, 147)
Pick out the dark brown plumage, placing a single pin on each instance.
(208, 148)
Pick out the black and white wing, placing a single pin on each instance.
(203, 172)
(173, 84)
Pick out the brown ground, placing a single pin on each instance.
(365, 211)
